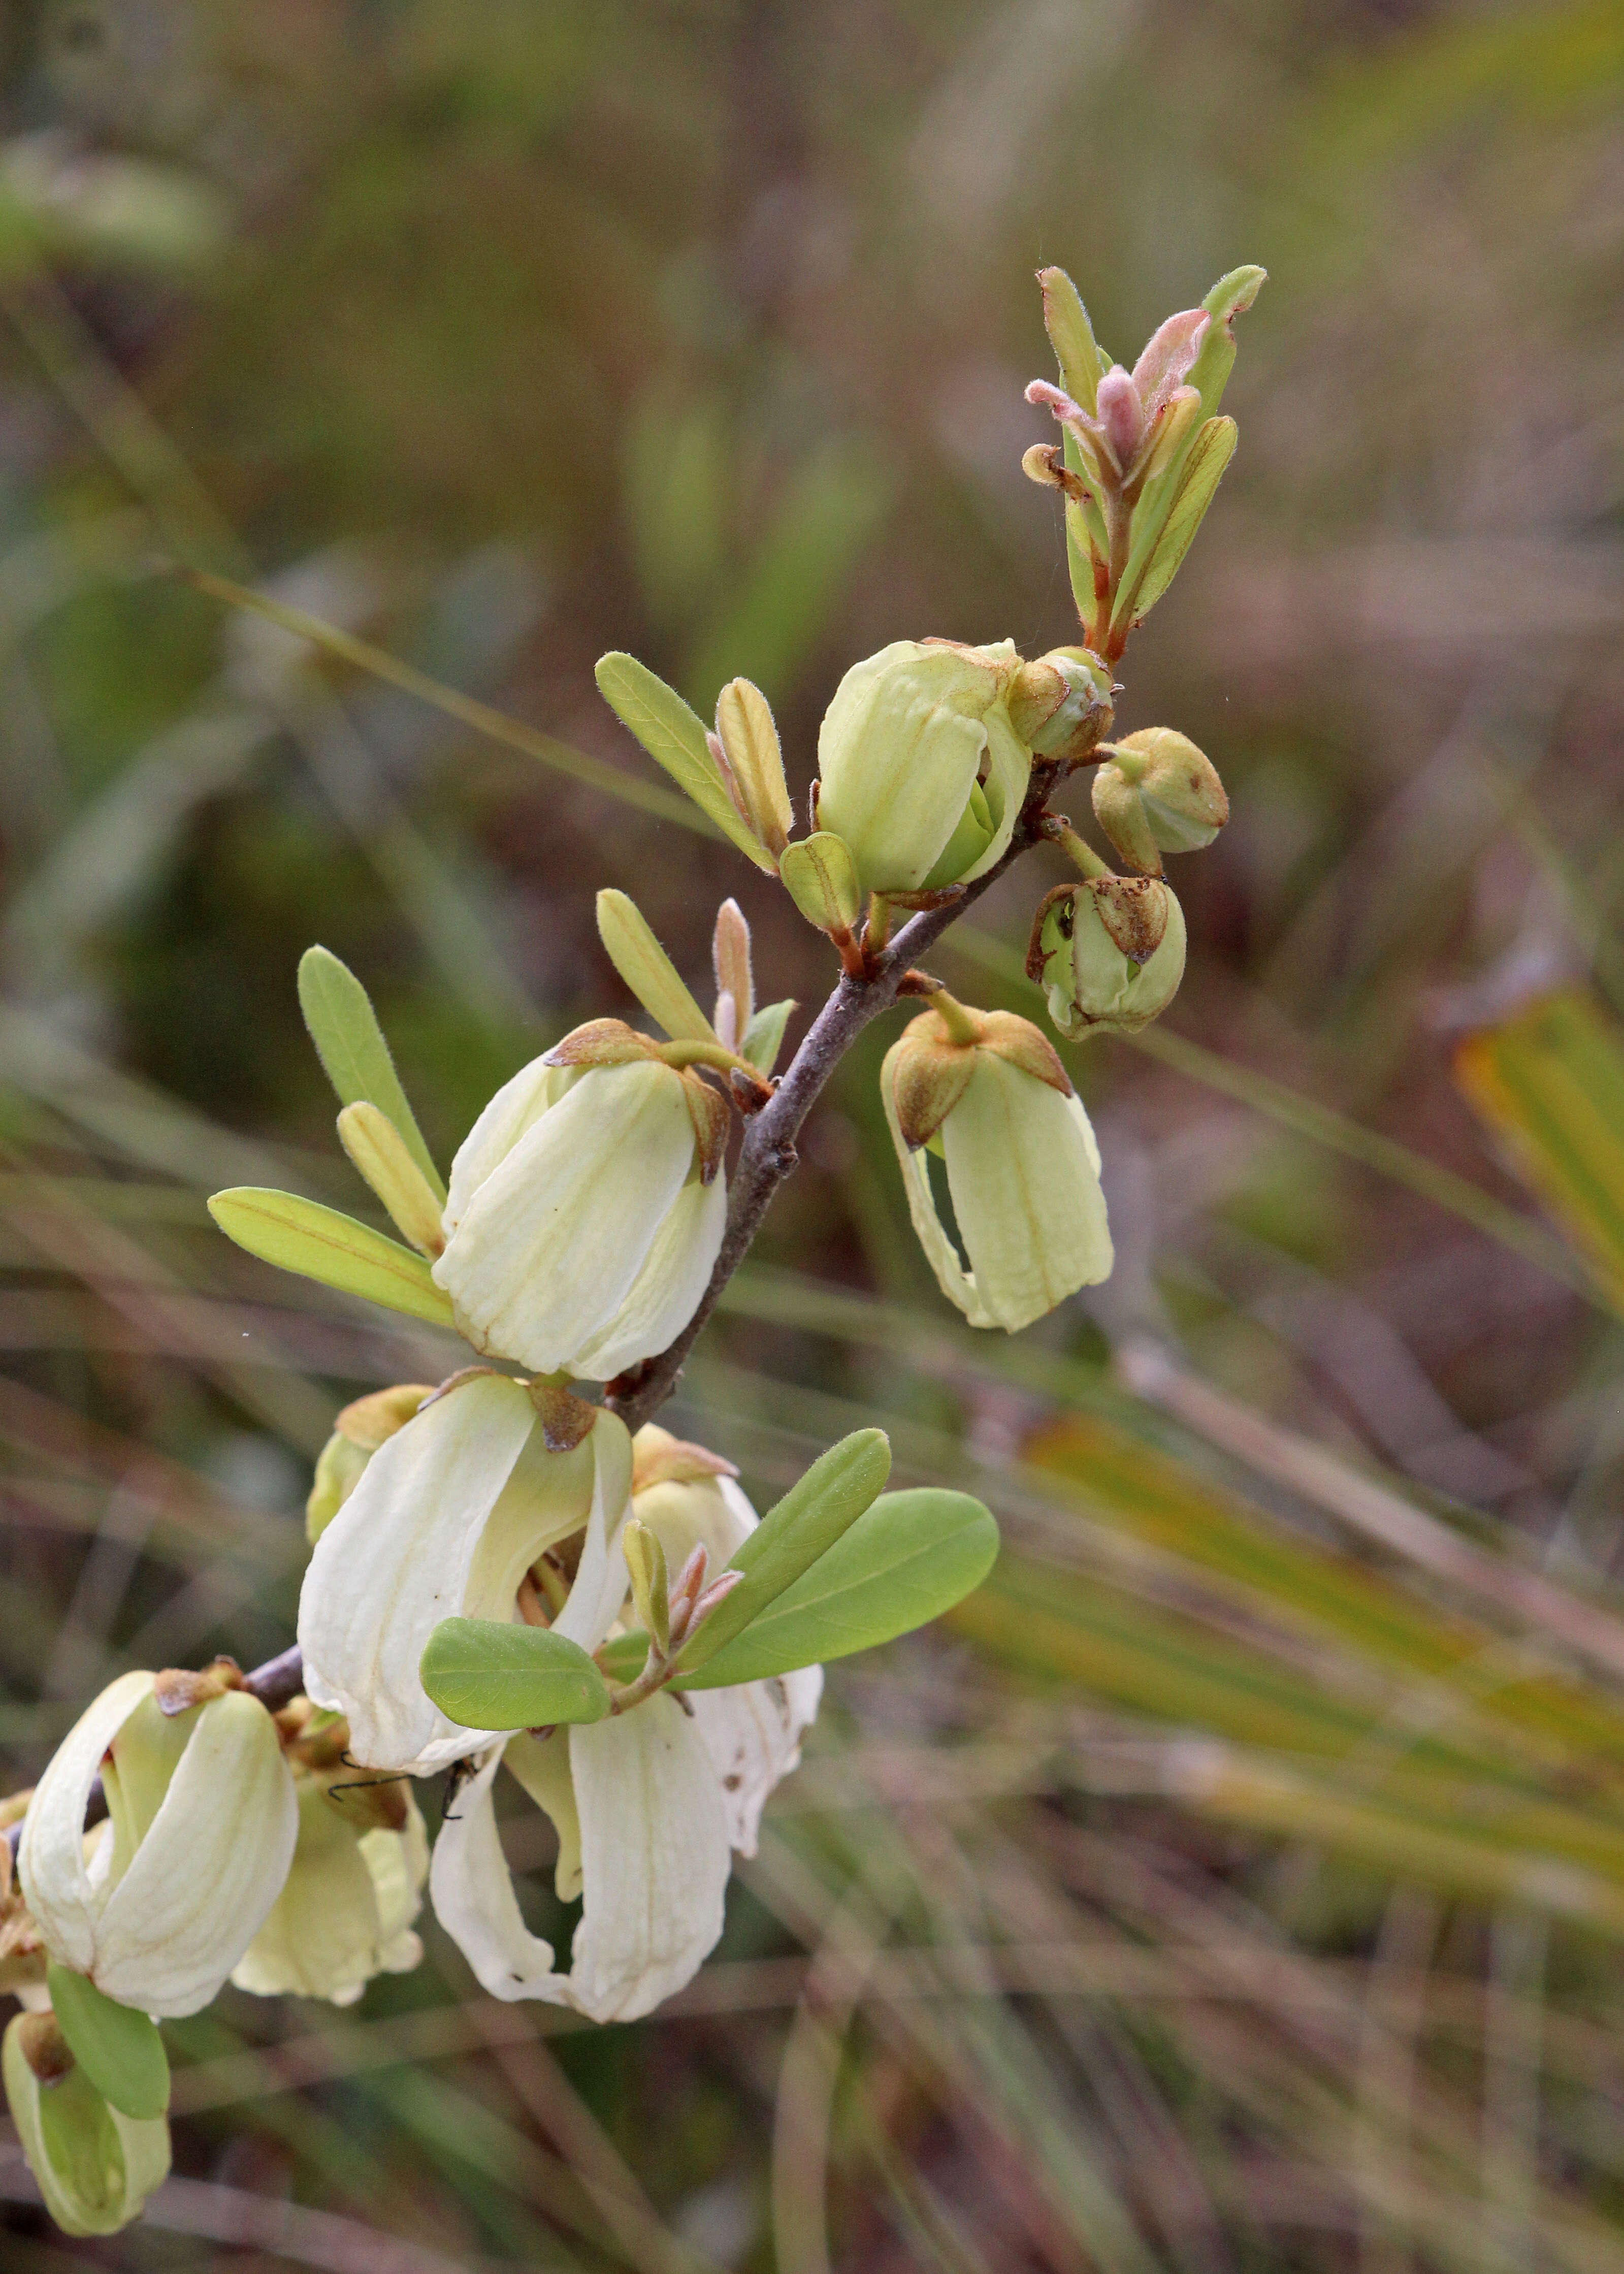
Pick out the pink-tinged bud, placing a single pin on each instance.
(1167, 356)
(1121, 415)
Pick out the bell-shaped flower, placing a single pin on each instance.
(355, 1883)
(648, 1805)
(919, 769)
(1157, 792)
(159, 1904)
(95, 2165)
(586, 1208)
(987, 1092)
(447, 1521)
(1109, 953)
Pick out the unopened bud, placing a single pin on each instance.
(750, 742)
(685, 1591)
(1110, 954)
(377, 1148)
(1060, 705)
(820, 876)
(735, 983)
(95, 2167)
(1172, 424)
(645, 1560)
(1121, 415)
(1156, 793)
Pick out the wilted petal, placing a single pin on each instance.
(348, 1900)
(1022, 1169)
(752, 1733)
(395, 1562)
(940, 1252)
(549, 1246)
(208, 1870)
(542, 1767)
(654, 1859)
(665, 1293)
(56, 1886)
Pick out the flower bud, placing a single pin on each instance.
(585, 1210)
(357, 1433)
(95, 2167)
(1061, 704)
(353, 1890)
(1023, 1170)
(1157, 793)
(201, 1824)
(919, 768)
(1110, 954)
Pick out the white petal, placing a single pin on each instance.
(542, 1767)
(752, 1733)
(515, 1108)
(322, 1932)
(56, 1886)
(472, 1893)
(665, 1293)
(602, 1581)
(551, 1243)
(654, 1859)
(395, 1562)
(209, 1869)
(942, 1257)
(1020, 1167)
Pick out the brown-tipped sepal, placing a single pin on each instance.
(601, 1042)
(707, 1112)
(1155, 792)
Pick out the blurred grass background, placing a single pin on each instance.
(1240, 1884)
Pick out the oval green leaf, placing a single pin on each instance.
(791, 1537)
(119, 2050)
(763, 1037)
(319, 1243)
(354, 1054)
(487, 1673)
(910, 1557)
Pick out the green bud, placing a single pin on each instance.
(95, 2167)
(919, 769)
(820, 876)
(379, 1151)
(1061, 704)
(1110, 954)
(1156, 793)
(645, 1560)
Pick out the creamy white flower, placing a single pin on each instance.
(201, 1831)
(1023, 1170)
(95, 2166)
(579, 1234)
(648, 1806)
(448, 1516)
(347, 1909)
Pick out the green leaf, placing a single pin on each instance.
(1204, 470)
(642, 963)
(319, 1243)
(821, 877)
(763, 1037)
(906, 1559)
(354, 1055)
(119, 2050)
(490, 1674)
(804, 1526)
(674, 737)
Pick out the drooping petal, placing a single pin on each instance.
(56, 1886)
(472, 1889)
(1022, 1170)
(752, 1733)
(601, 1579)
(654, 1859)
(209, 1869)
(1009, 770)
(321, 1932)
(550, 1244)
(395, 1562)
(542, 1767)
(942, 1257)
(665, 1293)
(516, 1107)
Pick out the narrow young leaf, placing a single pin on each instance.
(319, 1243)
(906, 1560)
(642, 963)
(488, 1675)
(1204, 469)
(119, 2050)
(382, 1156)
(674, 737)
(763, 1037)
(791, 1537)
(354, 1055)
(1070, 334)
